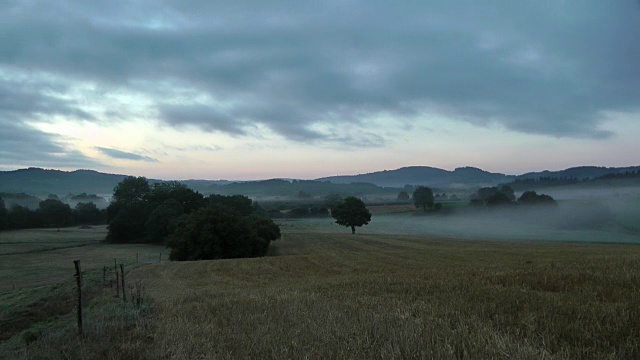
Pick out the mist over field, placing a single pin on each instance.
(611, 220)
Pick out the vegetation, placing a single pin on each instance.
(328, 295)
(532, 198)
(423, 197)
(494, 196)
(51, 213)
(219, 232)
(351, 212)
(336, 296)
(38, 289)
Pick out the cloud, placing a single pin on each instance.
(118, 154)
(22, 145)
(550, 68)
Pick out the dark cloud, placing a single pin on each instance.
(22, 145)
(547, 68)
(118, 154)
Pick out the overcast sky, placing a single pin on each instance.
(263, 89)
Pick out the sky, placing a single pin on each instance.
(184, 89)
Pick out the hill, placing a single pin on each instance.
(424, 175)
(580, 172)
(39, 181)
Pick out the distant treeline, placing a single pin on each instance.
(33, 202)
(50, 213)
(549, 181)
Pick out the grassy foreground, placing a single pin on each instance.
(37, 287)
(334, 295)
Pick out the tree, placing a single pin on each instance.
(55, 213)
(219, 232)
(188, 199)
(532, 198)
(4, 216)
(131, 190)
(129, 209)
(423, 197)
(494, 196)
(239, 203)
(20, 217)
(87, 213)
(351, 212)
(403, 196)
(162, 220)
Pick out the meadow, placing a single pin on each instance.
(37, 286)
(324, 293)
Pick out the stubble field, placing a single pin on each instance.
(328, 294)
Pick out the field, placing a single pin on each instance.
(36, 268)
(324, 293)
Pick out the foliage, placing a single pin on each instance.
(532, 198)
(20, 217)
(188, 199)
(163, 220)
(423, 197)
(87, 214)
(351, 212)
(139, 212)
(403, 196)
(219, 232)
(55, 213)
(238, 203)
(128, 224)
(131, 191)
(493, 196)
(4, 216)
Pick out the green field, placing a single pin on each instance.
(324, 293)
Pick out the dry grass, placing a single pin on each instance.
(38, 287)
(343, 296)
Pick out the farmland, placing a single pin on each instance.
(324, 293)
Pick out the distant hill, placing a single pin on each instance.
(423, 175)
(579, 173)
(42, 181)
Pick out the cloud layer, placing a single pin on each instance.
(318, 72)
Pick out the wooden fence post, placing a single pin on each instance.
(124, 293)
(160, 258)
(117, 284)
(78, 276)
(104, 276)
(136, 257)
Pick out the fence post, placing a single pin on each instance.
(117, 284)
(104, 276)
(78, 276)
(160, 258)
(124, 293)
(136, 257)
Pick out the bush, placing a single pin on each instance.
(219, 232)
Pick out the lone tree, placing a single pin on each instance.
(423, 197)
(351, 212)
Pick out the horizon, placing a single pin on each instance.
(315, 178)
(251, 90)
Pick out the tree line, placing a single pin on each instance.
(51, 213)
(194, 227)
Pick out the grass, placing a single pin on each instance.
(376, 296)
(38, 287)
(327, 294)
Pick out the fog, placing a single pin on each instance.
(614, 219)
